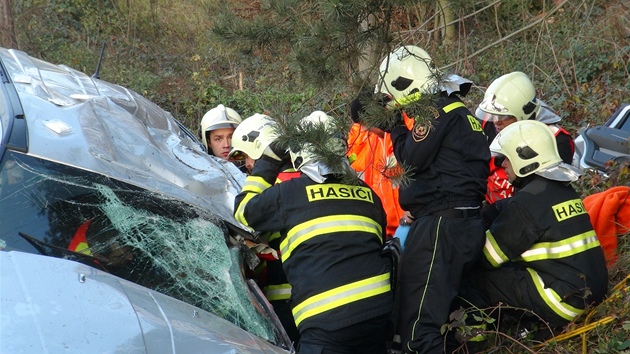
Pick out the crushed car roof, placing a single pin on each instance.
(116, 132)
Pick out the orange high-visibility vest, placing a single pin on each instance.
(79, 242)
(372, 156)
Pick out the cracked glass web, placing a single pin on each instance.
(161, 243)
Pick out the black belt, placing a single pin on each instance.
(457, 213)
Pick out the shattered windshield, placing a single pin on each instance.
(158, 242)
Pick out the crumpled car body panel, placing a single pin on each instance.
(100, 313)
(112, 130)
(165, 272)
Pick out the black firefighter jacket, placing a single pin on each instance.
(545, 228)
(332, 236)
(449, 160)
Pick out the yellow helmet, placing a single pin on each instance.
(217, 118)
(253, 136)
(531, 148)
(512, 94)
(405, 74)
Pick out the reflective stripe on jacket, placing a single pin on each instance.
(545, 228)
(331, 243)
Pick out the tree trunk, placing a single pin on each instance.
(449, 27)
(6, 24)
(444, 21)
(368, 59)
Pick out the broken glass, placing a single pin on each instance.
(159, 242)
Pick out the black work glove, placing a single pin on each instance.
(489, 212)
(394, 119)
(276, 152)
(364, 101)
(357, 106)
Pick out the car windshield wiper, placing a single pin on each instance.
(67, 254)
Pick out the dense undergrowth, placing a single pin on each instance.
(576, 52)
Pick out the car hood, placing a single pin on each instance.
(114, 131)
(100, 313)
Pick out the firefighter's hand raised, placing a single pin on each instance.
(276, 152)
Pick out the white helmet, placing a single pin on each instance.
(531, 148)
(307, 153)
(217, 118)
(253, 136)
(513, 95)
(405, 74)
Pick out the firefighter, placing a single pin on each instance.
(251, 138)
(541, 252)
(331, 240)
(448, 162)
(216, 128)
(508, 99)
(248, 143)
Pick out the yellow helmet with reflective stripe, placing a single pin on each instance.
(405, 74)
(529, 145)
(512, 94)
(253, 136)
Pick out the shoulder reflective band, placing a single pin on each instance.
(327, 225)
(254, 185)
(452, 106)
(278, 292)
(565, 248)
(340, 296)
(553, 300)
(493, 252)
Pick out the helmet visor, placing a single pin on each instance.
(236, 155)
(490, 105)
(491, 117)
(221, 125)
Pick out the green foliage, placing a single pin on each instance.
(323, 38)
(592, 181)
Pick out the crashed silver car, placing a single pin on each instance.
(116, 227)
(596, 147)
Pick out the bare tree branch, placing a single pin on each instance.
(543, 18)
